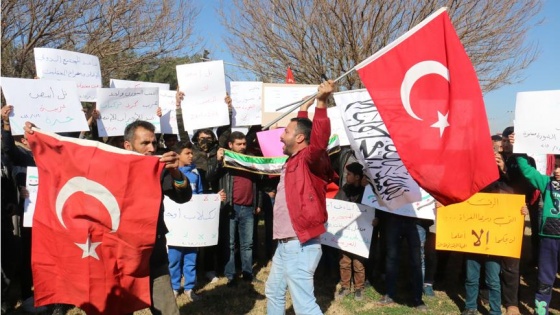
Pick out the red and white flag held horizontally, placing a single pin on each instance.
(428, 95)
(94, 224)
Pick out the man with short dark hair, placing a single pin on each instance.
(243, 202)
(139, 136)
(300, 209)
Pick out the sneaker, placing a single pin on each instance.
(421, 307)
(470, 312)
(385, 300)
(358, 295)
(429, 290)
(192, 296)
(211, 276)
(176, 293)
(342, 292)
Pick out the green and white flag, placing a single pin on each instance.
(267, 165)
(254, 164)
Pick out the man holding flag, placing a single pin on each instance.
(98, 230)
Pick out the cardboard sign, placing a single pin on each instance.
(194, 223)
(489, 224)
(349, 227)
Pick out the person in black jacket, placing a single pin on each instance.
(243, 202)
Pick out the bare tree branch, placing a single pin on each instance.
(123, 34)
(332, 36)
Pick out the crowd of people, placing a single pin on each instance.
(294, 212)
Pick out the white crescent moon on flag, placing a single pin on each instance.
(414, 74)
(94, 189)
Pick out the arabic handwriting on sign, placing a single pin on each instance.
(55, 109)
(56, 121)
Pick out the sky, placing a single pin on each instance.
(542, 74)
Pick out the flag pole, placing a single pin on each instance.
(298, 103)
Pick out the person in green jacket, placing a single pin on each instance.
(549, 230)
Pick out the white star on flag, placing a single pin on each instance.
(89, 248)
(441, 123)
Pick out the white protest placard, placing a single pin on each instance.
(349, 227)
(49, 104)
(204, 86)
(246, 100)
(337, 126)
(423, 209)
(278, 95)
(194, 223)
(168, 119)
(83, 69)
(32, 186)
(123, 84)
(536, 122)
(119, 107)
(375, 150)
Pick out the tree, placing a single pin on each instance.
(123, 34)
(332, 36)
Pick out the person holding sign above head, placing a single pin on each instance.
(549, 229)
(300, 209)
(510, 266)
(352, 191)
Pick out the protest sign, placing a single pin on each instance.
(119, 107)
(349, 227)
(32, 186)
(269, 141)
(194, 223)
(278, 95)
(49, 104)
(205, 87)
(489, 224)
(168, 119)
(369, 137)
(246, 100)
(423, 209)
(83, 69)
(122, 84)
(536, 122)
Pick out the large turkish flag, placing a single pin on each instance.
(94, 224)
(428, 95)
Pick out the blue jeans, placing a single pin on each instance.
(242, 220)
(293, 267)
(182, 261)
(492, 266)
(396, 227)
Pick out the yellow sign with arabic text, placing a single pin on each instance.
(490, 224)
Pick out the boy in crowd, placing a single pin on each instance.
(352, 191)
(182, 260)
(549, 229)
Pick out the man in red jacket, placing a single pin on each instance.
(300, 209)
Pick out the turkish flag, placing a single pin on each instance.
(428, 95)
(290, 76)
(94, 224)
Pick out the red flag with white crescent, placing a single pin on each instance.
(94, 224)
(427, 92)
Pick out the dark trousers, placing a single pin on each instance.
(405, 227)
(535, 239)
(548, 266)
(510, 281)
